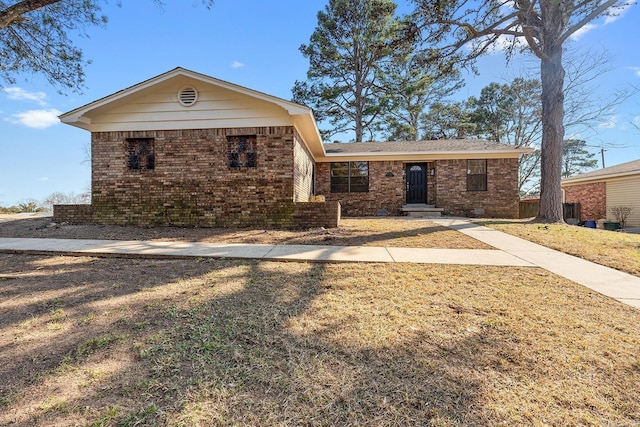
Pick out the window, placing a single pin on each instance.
(350, 177)
(476, 175)
(242, 151)
(141, 154)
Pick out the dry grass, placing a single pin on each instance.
(396, 232)
(613, 249)
(222, 342)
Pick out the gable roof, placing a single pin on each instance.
(617, 171)
(421, 150)
(301, 116)
(153, 105)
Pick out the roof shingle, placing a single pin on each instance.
(439, 145)
(627, 168)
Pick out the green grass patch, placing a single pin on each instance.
(92, 345)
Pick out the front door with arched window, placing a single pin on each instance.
(416, 174)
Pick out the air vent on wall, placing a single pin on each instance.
(187, 96)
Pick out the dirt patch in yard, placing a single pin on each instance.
(352, 232)
(115, 342)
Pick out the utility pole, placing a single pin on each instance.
(602, 150)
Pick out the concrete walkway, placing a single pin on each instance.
(510, 251)
(317, 253)
(608, 281)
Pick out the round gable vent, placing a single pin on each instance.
(187, 96)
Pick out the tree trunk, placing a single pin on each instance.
(552, 78)
(358, 89)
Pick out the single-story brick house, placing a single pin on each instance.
(183, 148)
(600, 190)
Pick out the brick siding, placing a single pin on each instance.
(192, 184)
(500, 199)
(592, 198)
(312, 214)
(446, 189)
(73, 214)
(305, 215)
(386, 193)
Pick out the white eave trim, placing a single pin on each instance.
(75, 117)
(306, 126)
(600, 178)
(422, 155)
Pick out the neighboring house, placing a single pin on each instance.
(600, 190)
(184, 148)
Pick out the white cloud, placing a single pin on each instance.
(19, 94)
(635, 70)
(502, 44)
(237, 64)
(618, 12)
(44, 178)
(582, 31)
(38, 119)
(615, 13)
(636, 121)
(610, 123)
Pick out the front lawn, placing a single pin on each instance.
(613, 249)
(123, 342)
(396, 232)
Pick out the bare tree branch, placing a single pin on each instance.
(15, 12)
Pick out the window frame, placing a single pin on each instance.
(477, 181)
(140, 154)
(353, 177)
(242, 152)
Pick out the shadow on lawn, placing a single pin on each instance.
(384, 238)
(214, 342)
(353, 232)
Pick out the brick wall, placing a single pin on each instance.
(192, 184)
(500, 199)
(385, 192)
(73, 214)
(592, 198)
(310, 215)
(446, 189)
(431, 184)
(305, 215)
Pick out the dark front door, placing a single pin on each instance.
(416, 183)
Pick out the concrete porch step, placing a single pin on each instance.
(422, 211)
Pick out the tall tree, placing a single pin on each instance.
(448, 120)
(413, 82)
(35, 38)
(576, 158)
(511, 114)
(544, 26)
(346, 52)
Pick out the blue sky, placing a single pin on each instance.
(253, 43)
